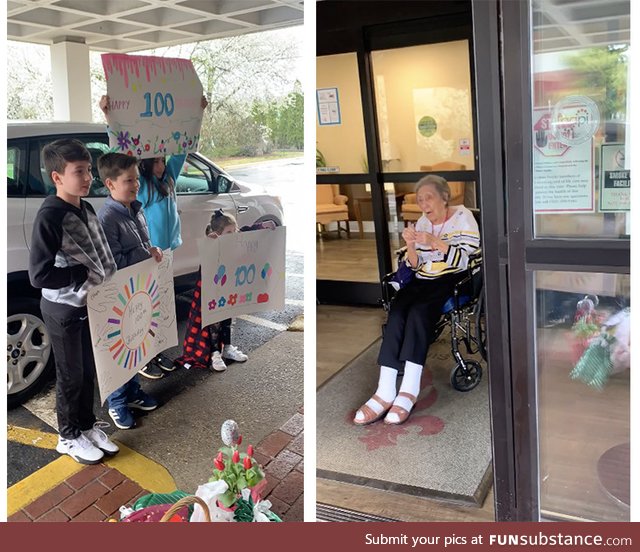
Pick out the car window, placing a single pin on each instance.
(40, 182)
(195, 178)
(16, 164)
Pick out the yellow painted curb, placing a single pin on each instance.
(147, 473)
(38, 483)
(32, 437)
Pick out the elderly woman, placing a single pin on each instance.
(438, 250)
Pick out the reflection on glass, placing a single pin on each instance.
(583, 343)
(581, 178)
(423, 103)
(340, 146)
(345, 245)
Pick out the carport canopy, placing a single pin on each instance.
(71, 28)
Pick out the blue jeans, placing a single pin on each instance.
(125, 394)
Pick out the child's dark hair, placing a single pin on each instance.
(57, 154)
(158, 188)
(219, 221)
(112, 165)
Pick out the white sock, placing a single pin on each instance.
(386, 390)
(410, 384)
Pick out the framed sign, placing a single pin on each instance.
(328, 106)
(242, 273)
(132, 318)
(155, 105)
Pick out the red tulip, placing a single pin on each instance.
(250, 450)
(239, 440)
(219, 465)
(247, 463)
(236, 457)
(220, 457)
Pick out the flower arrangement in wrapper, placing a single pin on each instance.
(586, 325)
(244, 478)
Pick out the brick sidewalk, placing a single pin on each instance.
(96, 493)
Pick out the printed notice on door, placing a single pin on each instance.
(563, 179)
(615, 179)
(328, 106)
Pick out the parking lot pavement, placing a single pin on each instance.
(263, 395)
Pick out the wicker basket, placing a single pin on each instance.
(186, 501)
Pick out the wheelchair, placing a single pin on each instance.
(464, 313)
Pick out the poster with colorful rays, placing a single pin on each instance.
(132, 318)
(242, 273)
(154, 105)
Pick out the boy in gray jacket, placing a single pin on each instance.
(69, 255)
(125, 227)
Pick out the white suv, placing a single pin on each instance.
(201, 188)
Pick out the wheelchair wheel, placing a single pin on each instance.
(480, 327)
(467, 377)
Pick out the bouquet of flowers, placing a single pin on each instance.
(239, 470)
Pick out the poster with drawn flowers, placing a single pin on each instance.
(154, 105)
(242, 273)
(132, 318)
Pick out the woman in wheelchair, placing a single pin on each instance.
(438, 250)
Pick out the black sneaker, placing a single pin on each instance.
(165, 363)
(152, 371)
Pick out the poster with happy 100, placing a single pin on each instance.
(242, 273)
(154, 105)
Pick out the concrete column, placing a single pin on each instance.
(71, 81)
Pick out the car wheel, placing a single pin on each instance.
(30, 361)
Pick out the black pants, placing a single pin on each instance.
(414, 313)
(75, 368)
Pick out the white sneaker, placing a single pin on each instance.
(233, 353)
(217, 364)
(80, 449)
(100, 439)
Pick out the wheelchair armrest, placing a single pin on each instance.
(387, 288)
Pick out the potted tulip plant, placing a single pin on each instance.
(239, 470)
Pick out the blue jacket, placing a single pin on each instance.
(162, 212)
(127, 234)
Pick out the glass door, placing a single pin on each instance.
(387, 114)
(558, 244)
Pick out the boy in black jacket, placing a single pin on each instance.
(70, 255)
(125, 228)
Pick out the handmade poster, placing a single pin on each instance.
(132, 318)
(242, 273)
(155, 105)
(562, 172)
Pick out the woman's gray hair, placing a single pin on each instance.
(439, 183)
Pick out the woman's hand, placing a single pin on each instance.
(104, 105)
(269, 225)
(431, 241)
(203, 102)
(156, 253)
(212, 235)
(409, 235)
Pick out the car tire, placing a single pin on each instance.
(30, 363)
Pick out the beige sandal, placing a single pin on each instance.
(371, 415)
(401, 408)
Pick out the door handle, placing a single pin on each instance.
(242, 208)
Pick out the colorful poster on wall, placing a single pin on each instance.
(132, 318)
(155, 105)
(563, 177)
(328, 103)
(615, 179)
(242, 273)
